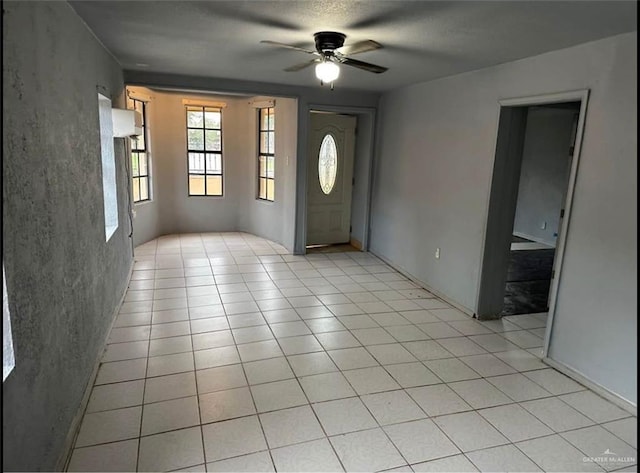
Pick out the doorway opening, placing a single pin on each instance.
(548, 146)
(330, 182)
(335, 248)
(534, 174)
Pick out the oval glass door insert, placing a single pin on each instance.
(327, 164)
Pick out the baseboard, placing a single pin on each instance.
(357, 244)
(63, 461)
(424, 285)
(595, 387)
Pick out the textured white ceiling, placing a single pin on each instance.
(421, 40)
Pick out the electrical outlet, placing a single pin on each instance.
(437, 253)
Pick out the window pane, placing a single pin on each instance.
(144, 188)
(270, 189)
(264, 142)
(272, 142)
(214, 185)
(214, 164)
(194, 118)
(262, 166)
(196, 163)
(263, 121)
(264, 118)
(212, 118)
(267, 118)
(134, 165)
(136, 189)
(213, 140)
(142, 115)
(196, 139)
(327, 163)
(270, 167)
(142, 164)
(140, 142)
(262, 190)
(196, 185)
(272, 118)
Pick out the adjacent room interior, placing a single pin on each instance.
(319, 236)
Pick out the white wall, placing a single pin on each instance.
(362, 176)
(308, 98)
(431, 189)
(272, 220)
(172, 210)
(544, 174)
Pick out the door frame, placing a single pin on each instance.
(365, 126)
(499, 189)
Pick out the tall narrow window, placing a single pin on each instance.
(266, 153)
(109, 188)
(8, 358)
(204, 150)
(139, 156)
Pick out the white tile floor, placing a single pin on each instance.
(231, 355)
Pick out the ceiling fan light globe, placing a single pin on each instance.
(327, 71)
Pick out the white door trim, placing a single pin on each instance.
(583, 96)
(570, 96)
(370, 113)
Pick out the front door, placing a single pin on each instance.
(330, 178)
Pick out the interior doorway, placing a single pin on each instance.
(331, 156)
(548, 146)
(534, 174)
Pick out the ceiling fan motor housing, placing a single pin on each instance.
(328, 41)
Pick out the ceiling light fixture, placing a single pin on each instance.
(327, 71)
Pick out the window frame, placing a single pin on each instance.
(271, 128)
(131, 101)
(204, 151)
(108, 167)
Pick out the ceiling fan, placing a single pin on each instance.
(331, 51)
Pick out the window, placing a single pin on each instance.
(204, 150)
(109, 189)
(266, 153)
(139, 155)
(327, 164)
(8, 358)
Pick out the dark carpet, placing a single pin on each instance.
(528, 282)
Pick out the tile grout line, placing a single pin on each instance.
(310, 405)
(366, 347)
(144, 388)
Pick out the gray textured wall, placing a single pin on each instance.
(64, 281)
(544, 175)
(432, 181)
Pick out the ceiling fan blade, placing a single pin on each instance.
(289, 46)
(359, 47)
(301, 66)
(362, 65)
